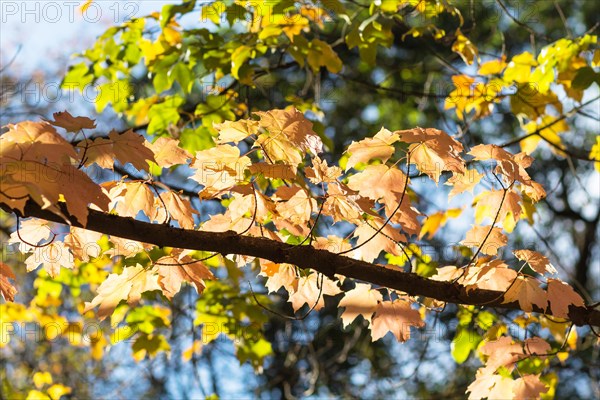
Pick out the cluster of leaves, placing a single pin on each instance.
(267, 175)
(531, 83)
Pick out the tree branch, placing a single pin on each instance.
(319, 260)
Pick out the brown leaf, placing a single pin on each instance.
(433, 151)
(291, 125)
(378, 147)
(561, 295)
(529, 387)
(536, 346)
(129, 285)
(311, 289)
(32, 231)
(278, 276)
(218, 169)
(52, 257)
(179, 209)
(273, 171)
(478, 234)
(502, 352)
(396, 317)
(538, 262)
(34, 141)
(370, 243)
(341, 204)
(7, 290)
(463, 182)
(362, 300)
(298, 207)
(173, 271)
(527, 292)
(236, 131)
(70, 123)
(379, 182)
(495, 202)
(490, 386)
(320, 172)
(129, 198)
(168, 153)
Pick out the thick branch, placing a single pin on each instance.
(302, 256)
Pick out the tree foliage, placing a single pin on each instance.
(211, 189)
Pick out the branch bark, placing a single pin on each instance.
(322, 261)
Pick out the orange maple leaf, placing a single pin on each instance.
(396, 317)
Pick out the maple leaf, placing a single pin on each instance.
(129, 286)
(256, 205)
(7, 290)
(491, 275)
(311, 289)
(536, 346)
(547, 129)
(371, 243)
(219, 168)
(511, 167)
(79, 191)
(342, 204)
(433, 151)
(405, 215)
(70, 123)
(126, 147)
(560, 296)
(172, 271)
(167, 152)
(527, 292)
(278, 276)
(362, 300)
(30, 232)
(457, 98)
(538, 262)
(225, 222)
(483, 152)
(502, 352)
(448, 273)
(378, 147)
(126, 247)
(83, 243)
(291, 126)
(52, 256)
(379, 182)
(236, 131)
(490, 386)
(529, 387)
(130, 147)
(34, 141)
(396, 317)
(298, 205)
(129, 198)
(179, 209)
(320, 172)
(488, 238)
(492, 67)
(534, 191)
(463, 182)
